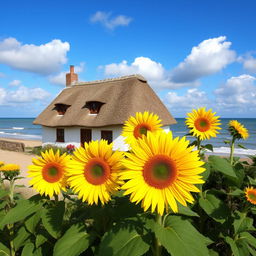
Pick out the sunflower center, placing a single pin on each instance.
(97, 171)
(202, 124)
(160, 171)
(140, 130)
(252, 195)
(52, 172)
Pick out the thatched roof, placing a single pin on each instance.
(122, 96)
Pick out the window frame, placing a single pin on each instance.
(60, 137)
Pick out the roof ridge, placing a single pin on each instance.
(138, 76)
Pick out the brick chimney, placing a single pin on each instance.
(71, 77)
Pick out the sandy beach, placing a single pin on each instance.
(23, 160)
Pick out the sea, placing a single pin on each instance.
(23, 128)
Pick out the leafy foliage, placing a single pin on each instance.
(220, 222)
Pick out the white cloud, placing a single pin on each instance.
(154, 72)
(193, 98)
(249, 63)
(209, 57)
(2, 96)
(22, 95)
(60, 78)
(105, 19)
(237, 94)
(15, 82)
(44, 59)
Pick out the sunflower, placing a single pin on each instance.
(48, 173)
(161, 170)
(250, 194)
(93, 173)
(203, 124)
(10, 170)
(139, 125)
(1, 163)
(238, 130)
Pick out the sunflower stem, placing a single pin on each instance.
(56, 198)
(232, 147)
(158, 249)
(199, 146)
(11, 226)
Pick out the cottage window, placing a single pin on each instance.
(94, 106)
(107, 135)
(61, 108)
(85, 136)
(60, 135)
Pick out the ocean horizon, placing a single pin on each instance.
(23, 128)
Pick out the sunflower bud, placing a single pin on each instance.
(10, 171)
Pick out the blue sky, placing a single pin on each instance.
(193, 53)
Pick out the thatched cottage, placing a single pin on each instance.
(86, 111)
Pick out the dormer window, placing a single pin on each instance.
(94, 106)
(61, 108)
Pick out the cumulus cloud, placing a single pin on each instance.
(60, 78)
(105, 19)
(249, 63)
(193, 98)
(238, 94)
(15, 82)
(154, 72)
(22, 95)
(209, 57)
(43, 59)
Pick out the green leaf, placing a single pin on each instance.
(243, 247)
(237, 192)
(32, 222)
(249, 238)
(232, 245)
(180, 238)
(23, 209)
(52, 219)
(183, 210)
(252, 251)
(241, 146)
(226, 141)
(3, 193)
(73, 242)
(28, 250)
(40, 239)
(123, 241)
(208, 146)
(2, 205)
(214, 207)
(222, 165)
(251, 181)
(20, 237)
(253, 210)
(4, 251)
(207, 171)
(242, 223)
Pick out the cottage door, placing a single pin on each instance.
(85, 136)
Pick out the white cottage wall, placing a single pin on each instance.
(72, 136)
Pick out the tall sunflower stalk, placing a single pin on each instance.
(10, 172)
(237, 131)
